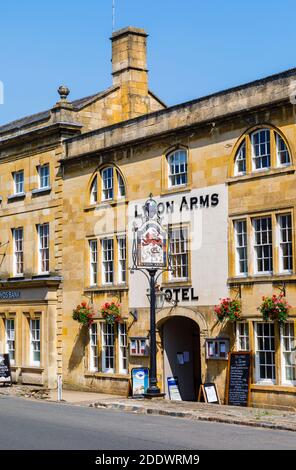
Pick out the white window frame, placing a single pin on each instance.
(35, 339)
(293, 352)
(279, 140)
(107, 333)
(93, 348)
(93, 262)
(121, 186)
(19, 183)
(94, 191)
(122, 348)
(122, 260)
(240, 247)
(18, 251)
(107, 261)
(107, 184)
(241, 156)
(259, 380)
(282, 244)
(261, 155)
(177, 169)
(43, 250)
(256, 247)
(185, 253)
(44, 177)
(242, 337)
(10, 339)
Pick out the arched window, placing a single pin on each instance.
(177, 168)
(240, 161)
(261, 149)
(266, 149)
(107, 185)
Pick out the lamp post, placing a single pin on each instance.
(151, 255)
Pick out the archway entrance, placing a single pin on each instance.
(181, 346)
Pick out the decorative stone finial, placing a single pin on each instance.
(63, 92)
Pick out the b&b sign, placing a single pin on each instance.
(5, 371)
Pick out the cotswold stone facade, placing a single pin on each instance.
(222, 171)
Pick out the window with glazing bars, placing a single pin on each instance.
(261, 149)
(265, 352)
(122, 342)
(240, 227)
(282, 151)
(93, 335)
(107, 184)
(18, 178)
(43, 235)
(18, 251)
(44, 176)
(243, 343)
(121, 186)
(93, 258)
(263, 244)
(108, 342)
(94, 191)
(288, 351)
(240, 162)
(10, 339)
(35, 341)
(108, 261)
(179, 252)
(122, 260)
(177, 162)
(285, 235)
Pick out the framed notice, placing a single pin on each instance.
(209, 393)
(239, 378)
(5, 371)
(140, 381)
(173, 388)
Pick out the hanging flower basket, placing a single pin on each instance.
(228, 309)
(111, 312)
(275, 308)
(83, 314)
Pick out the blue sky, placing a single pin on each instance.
(195, 47)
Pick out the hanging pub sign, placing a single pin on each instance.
(140, 381)
(151, 245)
(5, 371)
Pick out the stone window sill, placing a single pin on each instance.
(41, 191)
(261, 174)
(16, 197)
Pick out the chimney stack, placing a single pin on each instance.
(129, 70)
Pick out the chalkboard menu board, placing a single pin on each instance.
(5, 372)
(239, 378)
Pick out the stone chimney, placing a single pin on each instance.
(129, 70)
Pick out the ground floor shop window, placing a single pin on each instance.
(10, 340)
(110, 345)
(35, 342)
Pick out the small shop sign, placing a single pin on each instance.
(5, 371)
(10, 294)
(140, 381)
(173, 388)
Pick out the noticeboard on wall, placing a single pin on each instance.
(5, 371)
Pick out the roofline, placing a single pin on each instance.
(260, 81)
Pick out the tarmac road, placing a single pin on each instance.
(36, 425)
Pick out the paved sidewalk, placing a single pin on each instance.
(265, 418)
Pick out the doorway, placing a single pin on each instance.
(181, 346)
